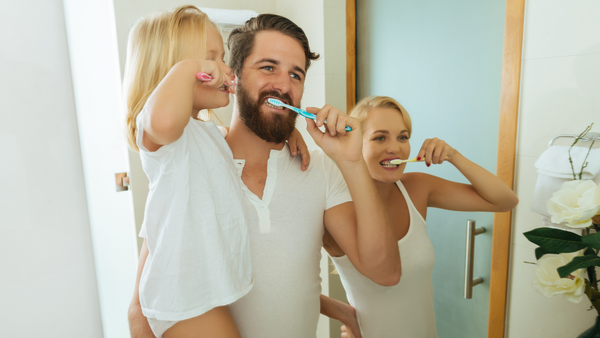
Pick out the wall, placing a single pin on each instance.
(48, 284)
(559, 95)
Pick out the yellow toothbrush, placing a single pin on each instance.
(414, 159)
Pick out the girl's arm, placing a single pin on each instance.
(171, 105)
(297, 145)
(343, 312)
(485, 193)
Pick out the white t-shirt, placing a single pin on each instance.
(402, 310)
(197, 235)
(286, 236)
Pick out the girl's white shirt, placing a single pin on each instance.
(197, 234)
(403, 310)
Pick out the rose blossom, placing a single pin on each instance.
(575, 203)
(549, 283)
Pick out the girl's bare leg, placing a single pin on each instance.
(216, 323)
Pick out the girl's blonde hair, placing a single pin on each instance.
(362, 108)
(156, 43)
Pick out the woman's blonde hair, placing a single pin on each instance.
(156, 43)
(362, 108)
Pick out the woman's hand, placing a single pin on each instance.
(350, 329)
(298, 146)
(435, 151)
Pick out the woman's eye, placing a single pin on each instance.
(379, 138)
(403, 138)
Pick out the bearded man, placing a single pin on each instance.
(288, 209)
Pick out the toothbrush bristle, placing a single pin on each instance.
(275, 102)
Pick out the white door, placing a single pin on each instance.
(97, 85)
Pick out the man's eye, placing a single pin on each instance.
(295, 76)
(269, 68)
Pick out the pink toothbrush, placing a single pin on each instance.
(205, 78)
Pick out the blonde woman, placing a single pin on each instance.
(406, 309)
(196, 256)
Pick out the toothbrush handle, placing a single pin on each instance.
(311, 116)
(203, 77)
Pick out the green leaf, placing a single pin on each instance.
(592, 240)
(579, 262)
(555, 240)
(539, 252)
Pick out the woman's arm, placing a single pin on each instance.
(343, 312)
(485, 193)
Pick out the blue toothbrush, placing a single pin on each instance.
(304, 113)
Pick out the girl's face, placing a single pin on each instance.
(210, 97)
(385, 138)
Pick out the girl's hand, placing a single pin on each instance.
(435, 151)
(297, 145)
(219, 76)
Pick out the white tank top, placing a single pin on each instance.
(403, 310)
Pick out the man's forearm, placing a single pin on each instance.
(375, 237)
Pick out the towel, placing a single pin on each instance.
(554, 162)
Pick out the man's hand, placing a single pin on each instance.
(336, 142)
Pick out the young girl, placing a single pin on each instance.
(406, 309)
(198, 251)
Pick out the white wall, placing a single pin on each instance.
(560, 88)
(48, 284)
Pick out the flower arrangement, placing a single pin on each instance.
(566, 261)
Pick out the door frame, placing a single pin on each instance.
(507, 141)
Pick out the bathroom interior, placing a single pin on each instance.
(497, 79)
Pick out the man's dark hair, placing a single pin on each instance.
(241, 40)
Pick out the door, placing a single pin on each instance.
(96, 83)
(442, 61)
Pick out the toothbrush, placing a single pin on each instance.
(304, 113)
(205, 78)
(414, 159)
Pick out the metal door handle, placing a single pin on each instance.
(469, 281)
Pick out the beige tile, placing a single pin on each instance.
(558, 96)
(560, 28)
(531, 314)
(224, 4)
(260, 6)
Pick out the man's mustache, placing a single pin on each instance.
(271, 93)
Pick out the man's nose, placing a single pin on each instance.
(281, 82)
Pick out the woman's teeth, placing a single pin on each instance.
(387, 164)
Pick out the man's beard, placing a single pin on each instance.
(274, 128)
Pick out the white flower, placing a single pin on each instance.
(548, 283)
(575, 203)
